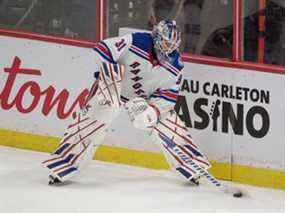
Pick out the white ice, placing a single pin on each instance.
(107, 187)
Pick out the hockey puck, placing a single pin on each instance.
(238, 194)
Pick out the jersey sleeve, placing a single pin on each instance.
(163, 99)
(112, 49)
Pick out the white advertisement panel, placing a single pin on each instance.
(42, 83)
(235, 114)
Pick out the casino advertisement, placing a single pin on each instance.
(234, 115)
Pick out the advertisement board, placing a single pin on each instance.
(43, 83)
(235, 116)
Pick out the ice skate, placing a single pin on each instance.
(195, 181)
(54, 181)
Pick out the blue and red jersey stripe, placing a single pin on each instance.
(139, 52)
(169, 95)
(104, 51)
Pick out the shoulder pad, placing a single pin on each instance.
(176, 60)
(142, 41)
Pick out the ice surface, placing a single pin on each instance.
(106, 187)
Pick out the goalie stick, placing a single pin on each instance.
(171, 146)
(223, 187)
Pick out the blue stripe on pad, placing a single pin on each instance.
(60, 150)
(194, 151)
(184, 172)
(116, 68)
(58, 163)
(106, 69)
(167, 140)
(67, 171)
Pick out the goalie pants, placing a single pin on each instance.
(88, 128)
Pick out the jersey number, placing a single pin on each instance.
(120, 44)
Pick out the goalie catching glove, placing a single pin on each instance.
(142, 115)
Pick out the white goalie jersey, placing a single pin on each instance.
(144, 75)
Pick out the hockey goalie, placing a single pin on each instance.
(147, 89)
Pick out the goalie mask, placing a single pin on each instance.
(166, 38)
